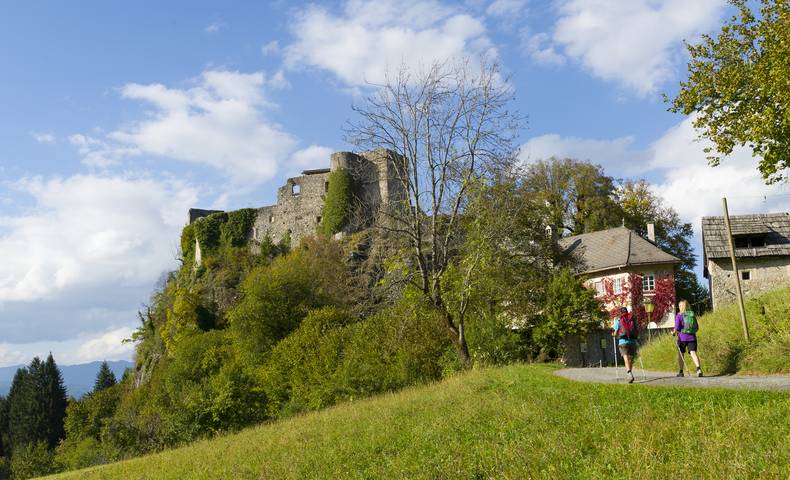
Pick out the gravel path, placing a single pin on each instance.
(609, 375)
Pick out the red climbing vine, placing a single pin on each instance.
(631, 294)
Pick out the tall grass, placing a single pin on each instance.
(722, 347)
(512, 423)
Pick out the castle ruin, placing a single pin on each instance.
(300, 202)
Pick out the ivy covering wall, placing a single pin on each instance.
(337, 205)
(216, 231)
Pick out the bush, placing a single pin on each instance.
(301, 370)
(337, 205)
(208, 231)
(236, 230)
(32, 460)
(188, 243)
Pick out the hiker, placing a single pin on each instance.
(627, 331)
(686, 327)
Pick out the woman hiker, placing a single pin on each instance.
(626, 330)
(686, 329)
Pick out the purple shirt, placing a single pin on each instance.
(683, 337)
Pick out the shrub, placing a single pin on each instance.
(337, 205)
(188, 243)
(32, 460)
(235, 231)
(208, 231)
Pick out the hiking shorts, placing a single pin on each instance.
(628, 349)
(691, 345)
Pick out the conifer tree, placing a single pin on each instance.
(105, 378)
(54, 402)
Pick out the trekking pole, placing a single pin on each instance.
(644, 377)
(616, 372)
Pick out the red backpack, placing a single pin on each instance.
(628, 328)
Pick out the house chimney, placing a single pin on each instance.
(651, 232)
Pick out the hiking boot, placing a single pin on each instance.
(680, 374)
(699, 372)
(630, 377)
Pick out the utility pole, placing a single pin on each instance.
(735, 269)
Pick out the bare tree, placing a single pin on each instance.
(448, 128)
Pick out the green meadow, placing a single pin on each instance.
(514, 422)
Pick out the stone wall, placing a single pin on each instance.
(765, 273)
(300, 202)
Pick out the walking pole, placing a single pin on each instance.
(616, 372)
(644, 377)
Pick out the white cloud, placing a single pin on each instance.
(271, 48)
(540, 49)
(43, 137)
(369, 39)
(314, 156)
(105, 346)
(695, 189)
(615, 154)
(87, 235)
(506, 8)
(219, 122)
(214, 27)
(86, 347)
(635, 43)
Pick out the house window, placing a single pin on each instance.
(296, 189)
(599, 288)
(617, 285)
(326, 186)
(746, 275)
(648, 283)
(749, 241)
(318, 220)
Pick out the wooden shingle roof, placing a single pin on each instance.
(613, 248)
(775, 227)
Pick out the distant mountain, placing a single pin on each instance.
(78, 379)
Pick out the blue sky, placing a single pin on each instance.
(116, 117)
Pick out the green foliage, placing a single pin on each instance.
(521, 421)
(277, 297)
(105, 378)
(236, 230)
(86, 417)
(337, 205)
(738, 86)
(722, 348)
(188, 243)
(186, 317)
(73, 454)
(208, 231)
(570, 309)
(32, 460)
(574, 196)
(36, 405)
(301, 369)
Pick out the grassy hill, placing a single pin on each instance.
(722, 348)
(512, 422)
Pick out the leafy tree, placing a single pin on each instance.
(32, 460)
(738, 87)
(105, 378)
(574, 196)
(449, 127)
(570, 309)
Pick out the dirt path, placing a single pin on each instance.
(609, 375)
